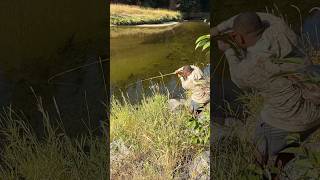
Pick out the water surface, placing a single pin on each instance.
(143, 52)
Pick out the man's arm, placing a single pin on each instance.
(197, 73)
(178, 70)
(187, 84)
(236, 68)
(270, 18)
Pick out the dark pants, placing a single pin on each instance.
(311, 29)
(195, 107)
(271, 141)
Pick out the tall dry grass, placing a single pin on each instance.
(157, 139)
(53, 156)
(121, 14)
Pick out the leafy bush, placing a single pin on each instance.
(199, 129)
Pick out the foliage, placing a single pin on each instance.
(204, 42)
(155, 3)
(134, 15)
(306, 160)
(185, 5)
(199, 129)
(145, 3)
(189, 5)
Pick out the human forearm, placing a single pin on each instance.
(232, 58)
(270, 18)
(178, 70)
(236, 69)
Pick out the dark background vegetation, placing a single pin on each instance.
(183, 5)
(42, 38)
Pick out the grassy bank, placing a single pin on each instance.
(233, 156)
(54, 156)
(158, 142)
(134, 15)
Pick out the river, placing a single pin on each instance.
(137, 53)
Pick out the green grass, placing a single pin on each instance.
(134, 15)
(159, 140)
(54, 156)
(116, 32)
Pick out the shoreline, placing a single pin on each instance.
(165, 24)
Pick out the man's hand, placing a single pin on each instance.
(178, 72)
(214, 31)
(223, 46)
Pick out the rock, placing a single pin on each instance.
(118, 151)
(176, 104)
(206, 72)
(200, 167)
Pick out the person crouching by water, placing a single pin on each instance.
(194, 82)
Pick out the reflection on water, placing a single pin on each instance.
(138, 53)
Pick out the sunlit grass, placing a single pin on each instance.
(158, 139)
(121, 14)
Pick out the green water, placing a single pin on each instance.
(137, 53)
